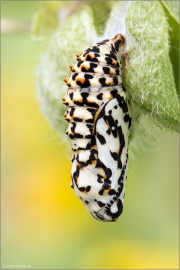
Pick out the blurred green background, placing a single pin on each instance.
(44, 224)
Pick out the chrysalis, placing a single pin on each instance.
(99, 124)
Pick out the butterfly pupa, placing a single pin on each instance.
(98, 113)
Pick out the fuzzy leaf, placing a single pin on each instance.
(149, 75)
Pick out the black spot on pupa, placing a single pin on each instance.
(75, 136)
(117, 44)
(71, 95)
(88, 188)
(79, 63)
(112, 192)
(106, 186)
(102, 81)
(101, 138)
(82, 189)
(106, 70)
(114, 155)
(100, 96)
(126, 118)
(100, 204)
(93, 49)
(101, 192)
(77, 119)
(72, 111)
(114, 92)
(74, 76)
(115, 80)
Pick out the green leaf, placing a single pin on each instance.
(44, 23)
(171, 9)
(73, 37)
(148, 76)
